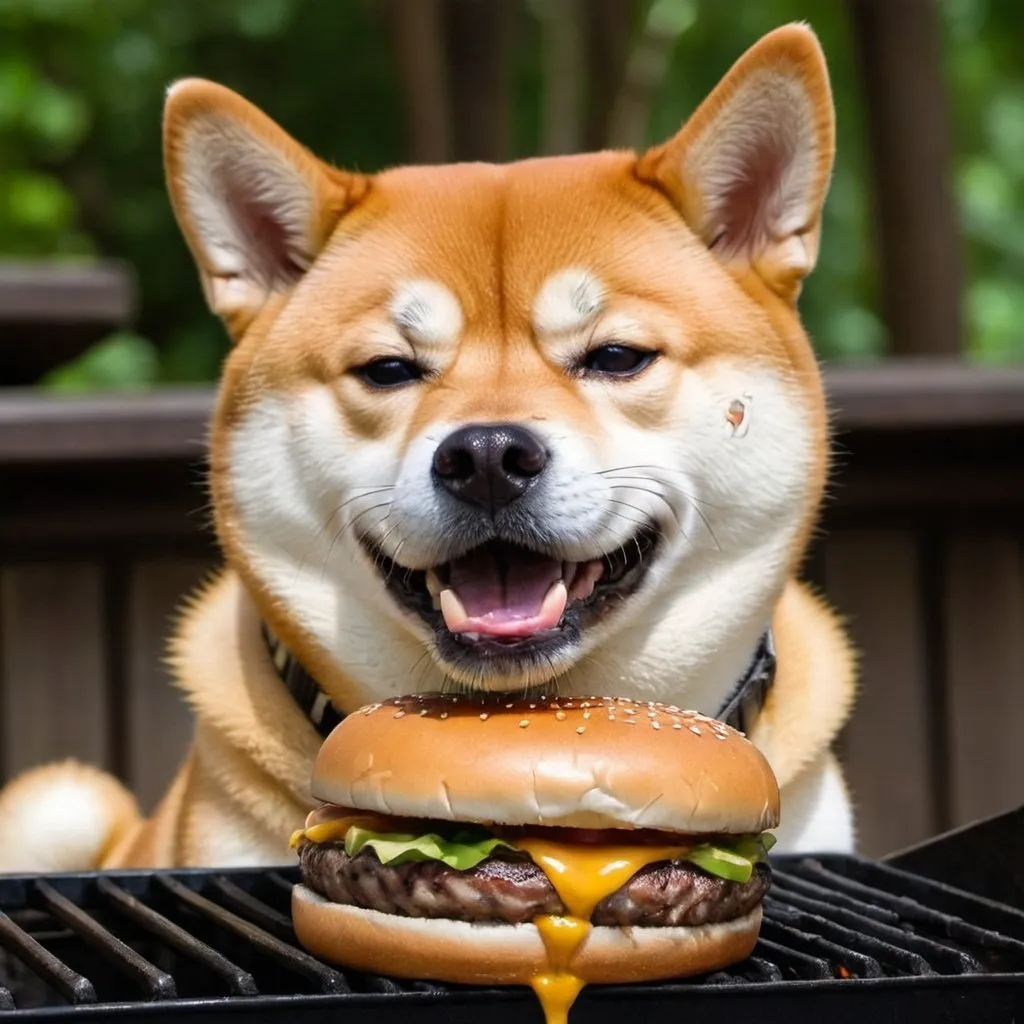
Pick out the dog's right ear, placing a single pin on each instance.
(255, 207)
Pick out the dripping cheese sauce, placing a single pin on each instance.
(582, 874)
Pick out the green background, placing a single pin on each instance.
(81, 91)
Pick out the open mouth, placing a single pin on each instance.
(507, 601)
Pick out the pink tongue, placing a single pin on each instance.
(504, 598)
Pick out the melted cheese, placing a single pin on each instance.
(556, 992)
(334, 829)
(582, 876)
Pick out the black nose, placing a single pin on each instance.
(490, 465)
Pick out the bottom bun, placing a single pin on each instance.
(439, 949)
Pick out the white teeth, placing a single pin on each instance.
(453, 610)
(583, 585)
(554, 602)
(434, 588)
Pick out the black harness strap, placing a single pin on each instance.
(743, 706)
(740, 710)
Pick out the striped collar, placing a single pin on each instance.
(305, 691)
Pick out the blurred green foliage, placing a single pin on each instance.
(82, 85)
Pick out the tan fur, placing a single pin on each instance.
(693, 265)
(265, 784)
(91, 813)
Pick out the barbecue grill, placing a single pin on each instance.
(844, 939)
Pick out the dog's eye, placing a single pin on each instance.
(389, 373)
(617, 360)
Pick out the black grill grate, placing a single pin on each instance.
(841, 936)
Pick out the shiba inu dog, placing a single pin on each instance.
(551, 426)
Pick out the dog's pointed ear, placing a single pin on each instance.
(749, 171)
(255, 207)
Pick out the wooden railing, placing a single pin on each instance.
(104, 526)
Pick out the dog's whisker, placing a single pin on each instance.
(327, 557)
(394, 561)
(629, 519)
(694, 502)
(639, 552)
(552, 667)
(619, 472)
(380, 555)
(366, 511)
(614, 474)
(367, 492)
(347, 526)
(707, 526)
(419, 661)
(657, 494)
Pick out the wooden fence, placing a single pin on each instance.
(104, 526)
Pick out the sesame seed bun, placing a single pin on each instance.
(591, 763)
(506, 954)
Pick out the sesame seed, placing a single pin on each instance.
(444, 714)
(694, 730)
(677, 725)
(611, 718)
(399, 714)
(652, 714)
(720, 736)
(630, 711)
(629, 721)
(560, 715)
(425, 711)
(580, 730)
(510, 705)
(585, 704)
(533, 707)
(523, 723)
(586, 714)
(655, 725)
(484, 716)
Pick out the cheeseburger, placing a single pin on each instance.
(546, 842)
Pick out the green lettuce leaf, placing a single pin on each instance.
(733, 860)
(464, 850)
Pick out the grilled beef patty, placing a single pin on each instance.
(511, 890)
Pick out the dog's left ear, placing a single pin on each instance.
(749, 171)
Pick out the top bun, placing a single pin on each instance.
(579, 762)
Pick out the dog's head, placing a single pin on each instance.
(487, 420)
